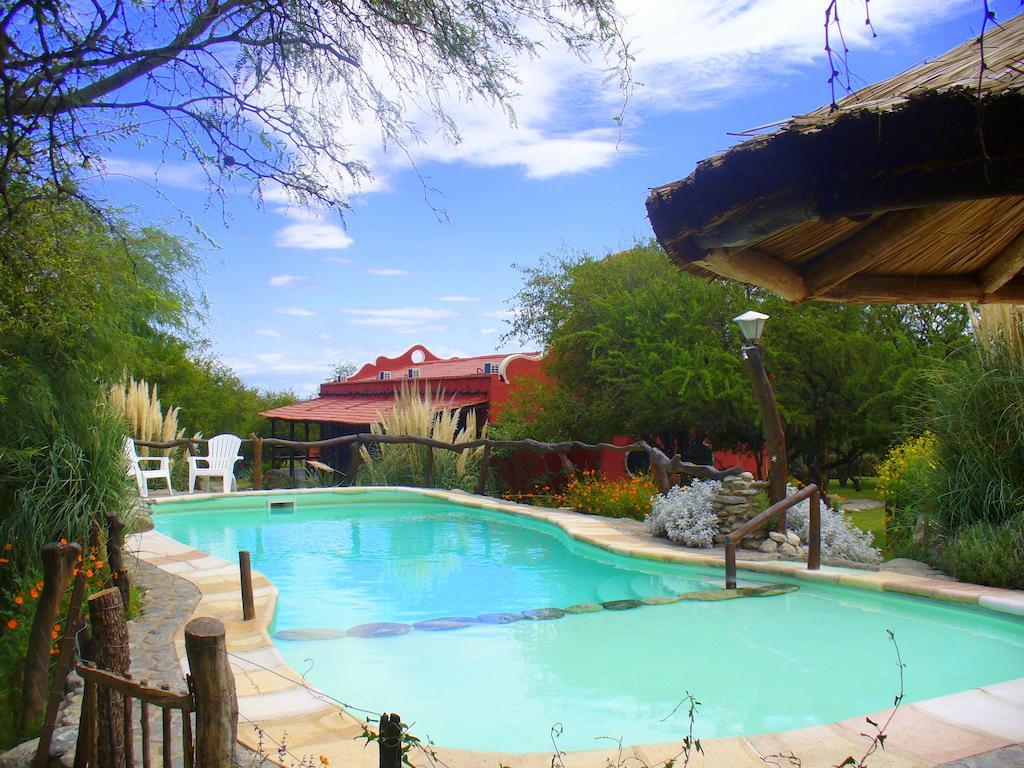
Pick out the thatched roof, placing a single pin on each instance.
(911, 191)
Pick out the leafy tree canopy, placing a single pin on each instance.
(637, 347)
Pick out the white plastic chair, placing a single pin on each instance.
(143, 476)
(219, 463)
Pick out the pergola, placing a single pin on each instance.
(912, 191)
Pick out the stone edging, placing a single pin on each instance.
(271, 694)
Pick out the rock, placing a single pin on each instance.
(788, 549)
(21, 756)
(584, 608)
(769, 546)
(748, 476)
(792, 538)
(621, 605)
(63, 742)
(444, 625)
(661, 600)
(379, 629)
(499, 618)
(769, 590)
(544, 614)
(711, 595)
(776, 536)
(730, 500)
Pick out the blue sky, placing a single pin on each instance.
(293, 291)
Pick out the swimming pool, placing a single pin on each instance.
(349, 564)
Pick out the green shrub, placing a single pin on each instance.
(987, 554)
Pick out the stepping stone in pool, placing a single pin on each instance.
(308, 633)
(443, 625)
(584, 608)
(544, 614)
(711, 595)
(661, 600)
(499, 618)
(769, 590)
(379, 629)
(621, 605)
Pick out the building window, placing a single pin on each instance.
(491, 368)
(413, 373)
(384, 375)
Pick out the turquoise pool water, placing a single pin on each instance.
(816, 655)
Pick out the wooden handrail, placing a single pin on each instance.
(155, 696)
(813, 530)
(664, 466)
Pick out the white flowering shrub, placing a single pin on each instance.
(839, 537)
(684, 514)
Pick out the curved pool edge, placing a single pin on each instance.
(270, 693)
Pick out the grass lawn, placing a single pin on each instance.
(867, 490)
(872, 521)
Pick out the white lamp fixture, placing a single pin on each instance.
(751, 325)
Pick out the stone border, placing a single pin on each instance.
(270, 693)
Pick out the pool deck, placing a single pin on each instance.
(271, 695)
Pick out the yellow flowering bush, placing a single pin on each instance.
(907, 472)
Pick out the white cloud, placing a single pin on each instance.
(388, 272)
(312, 235)
(498, 314)
(271, 332)
(295, 311)
(421, 329)
(337, 259)
(488, 331)
(285, 281)
(459, 299)
(183, 176)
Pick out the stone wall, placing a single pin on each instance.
(736, 503)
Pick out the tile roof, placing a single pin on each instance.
(434, 369)
(360, 409)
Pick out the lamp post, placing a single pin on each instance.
(751, 326)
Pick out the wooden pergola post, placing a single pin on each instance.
(775, 436)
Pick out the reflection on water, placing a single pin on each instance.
(817, 655)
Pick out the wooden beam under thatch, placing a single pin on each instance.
(920, 177)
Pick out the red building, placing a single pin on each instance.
(350, 406)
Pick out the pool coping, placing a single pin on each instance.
(272, 695)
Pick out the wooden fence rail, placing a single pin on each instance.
(129, 690)
(664, 468)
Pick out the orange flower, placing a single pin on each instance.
(34, 593)
(56, 627)
(39, 585)
(4, 561)
(324, 760)
(63, 541)
(12, 623)
(99, 563)
(7, 547)
(19, 600)
(89, 574)
(54, 635)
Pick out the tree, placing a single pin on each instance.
(638, 347)
(343, 369)
(257, 89)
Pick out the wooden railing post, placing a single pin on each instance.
(430, 467)
(814, 533)
(485, 466)
(111, 652)
(213, 687)
(353, 462)
(57, 559)
(257, 461)
(390, 742)
(730, 564)
(115, 543)
(245, 581)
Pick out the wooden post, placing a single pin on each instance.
(390, 742)
(245, 580)
(111, 652)
(430, 466)
(353, 462)
(775, 436)
(144, 720)
(730, 564)
(291, 455)
(69, 635)
(213, 688)
(257, 461)
(661, 478)
(57, 559)
(485, 465)
(167, 739)
(86, 750)
(115, 543)
(814, 533)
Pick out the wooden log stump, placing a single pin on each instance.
(111, 652)
(115, 546)
(57, 561)
(213, 687)
(390, 741)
